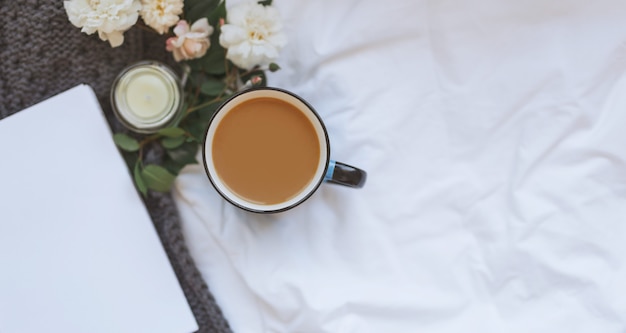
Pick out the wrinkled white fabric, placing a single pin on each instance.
(494, 136)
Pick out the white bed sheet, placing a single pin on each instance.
(494, 135)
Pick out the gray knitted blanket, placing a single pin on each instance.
(41, 55)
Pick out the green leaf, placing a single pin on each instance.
(196, 129)
(157, 178)
(185, 154)
(274, 67)
(125, 142)
(217, 13)
(139, 182)
(265, 2)
(172, 166)
(195, 123)
(172, 132)
(213, 62)
(196, 77)
(206, 113)
(196, 9)
(171, 143)
(195, 65)
(212, 87)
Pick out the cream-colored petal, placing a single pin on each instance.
(202, 26)
(231, 35)
(116, 38)
(181, 28)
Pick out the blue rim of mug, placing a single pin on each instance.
(261, 211)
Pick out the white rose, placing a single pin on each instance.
(110, 18)
(160, 15)
(252, 35)
(190, 42)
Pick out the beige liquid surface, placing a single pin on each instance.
(265, 150)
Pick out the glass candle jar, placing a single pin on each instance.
(147, 96)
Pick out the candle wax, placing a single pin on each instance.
(148, 96)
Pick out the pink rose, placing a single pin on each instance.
(190, 42)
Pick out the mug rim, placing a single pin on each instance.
(317, 182)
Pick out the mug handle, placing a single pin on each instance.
(344, 174)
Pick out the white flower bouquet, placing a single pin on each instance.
(221, 51)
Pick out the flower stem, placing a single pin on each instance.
(149, 139)
(200, 106)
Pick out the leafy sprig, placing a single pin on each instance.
(211, 79)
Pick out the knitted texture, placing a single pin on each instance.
(41, 55)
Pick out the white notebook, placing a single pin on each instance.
(78, 251)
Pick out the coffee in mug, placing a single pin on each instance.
(267, 150)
